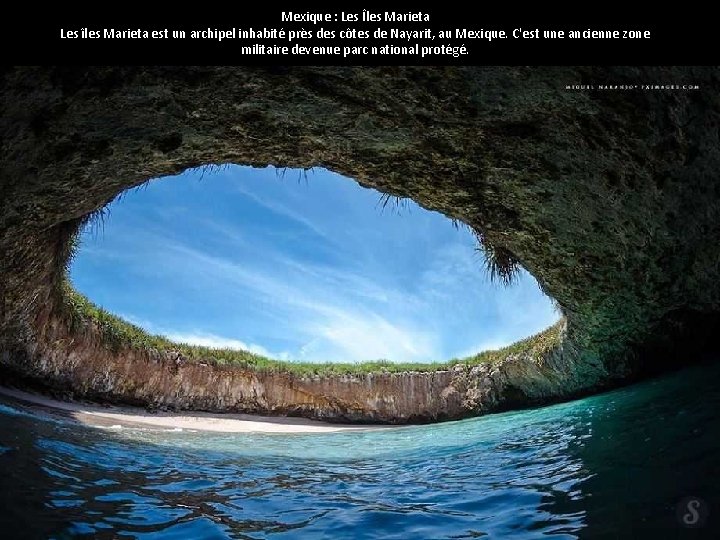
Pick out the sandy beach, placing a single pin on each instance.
(128, 417)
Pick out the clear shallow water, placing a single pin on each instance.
(611, 466)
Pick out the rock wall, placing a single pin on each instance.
(609, 199)
(82, 366)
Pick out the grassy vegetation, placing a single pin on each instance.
(118, 335)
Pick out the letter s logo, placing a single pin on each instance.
(692, 516)
(692, 512)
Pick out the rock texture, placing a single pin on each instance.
(609, 198)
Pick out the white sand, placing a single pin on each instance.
(111, 416)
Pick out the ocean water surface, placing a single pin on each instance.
(639, 462)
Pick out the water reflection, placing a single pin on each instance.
(613, 465)
(647, 448)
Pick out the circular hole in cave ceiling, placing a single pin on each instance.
(299, 265)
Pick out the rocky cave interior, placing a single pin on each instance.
(609, 201)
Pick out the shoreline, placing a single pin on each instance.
(112, 416)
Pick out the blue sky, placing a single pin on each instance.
(310, 269)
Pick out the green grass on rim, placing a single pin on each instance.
(119, 335)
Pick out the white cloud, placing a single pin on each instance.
(486, 345)
(282, 210)
(216, 342)
(353, 338)
(337, 314)
(219, 342)
(322, 309)
(203, 339)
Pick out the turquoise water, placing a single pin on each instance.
(611, 466)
